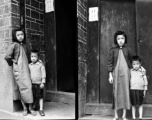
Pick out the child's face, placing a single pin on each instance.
(20, 36)
(120, 40)
(34, 57)
(136, 64)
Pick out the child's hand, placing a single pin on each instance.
(111, 79)
(14, 61)
(42, 85)
(144, 93)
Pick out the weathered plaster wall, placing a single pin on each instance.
(8, 12)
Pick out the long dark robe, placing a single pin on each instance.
(121, 83)
(17, 57)
(22, 77)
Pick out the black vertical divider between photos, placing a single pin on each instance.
(76, 59)
(75, 52)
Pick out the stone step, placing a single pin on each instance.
(57, 96)
(99, 117)
(53, 110)
(106, 110)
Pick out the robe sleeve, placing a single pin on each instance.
(9, 55)
(110, 60)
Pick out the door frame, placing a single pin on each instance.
(51, 88)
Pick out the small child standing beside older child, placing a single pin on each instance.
(38, 76)
(138, 86)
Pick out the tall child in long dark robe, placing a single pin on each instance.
(119, 74)
(16, 57)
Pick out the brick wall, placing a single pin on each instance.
(34, 25)
(82, 53)
(15, 13)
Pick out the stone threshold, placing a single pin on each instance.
(106, 110)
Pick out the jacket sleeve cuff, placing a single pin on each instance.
(110, 69)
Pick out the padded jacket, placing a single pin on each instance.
(113, 56)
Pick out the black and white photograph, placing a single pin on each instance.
(37, 54)
(114, 59)
(76, 59)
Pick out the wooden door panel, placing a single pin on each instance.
(144, 35)
(92, 95)
(93, 65)
(114, 16)
(51, 52)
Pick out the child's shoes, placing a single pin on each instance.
(24, 112)
(124, 118)
(32, 112)
(41, 112)
(115, 118)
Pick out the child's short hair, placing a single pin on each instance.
(119, 33)
(35, 51)
(14, 39)
(136, 58)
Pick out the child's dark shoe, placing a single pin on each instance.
(32, 112)
(41, 112)
(24, 112)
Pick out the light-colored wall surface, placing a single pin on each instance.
(6, 96)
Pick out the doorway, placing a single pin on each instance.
(64, 45)
(133, 17)
(115, 15)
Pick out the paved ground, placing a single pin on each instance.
(53, 110)
(94, 117)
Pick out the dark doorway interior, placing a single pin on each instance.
(65, 48)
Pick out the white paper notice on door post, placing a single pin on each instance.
(49, 6)
(93, 14)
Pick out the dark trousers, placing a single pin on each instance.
(37, 95)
